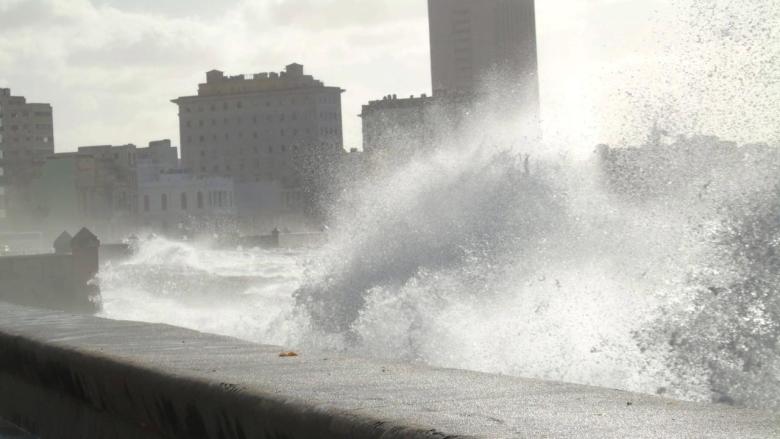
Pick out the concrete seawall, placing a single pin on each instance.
(60, 281)
(76, 376)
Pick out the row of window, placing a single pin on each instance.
(270, 149)
(266, 103)
(14, 115)
(282, 133)
(27, 127)
(218, 199)
(27, 152)
(281, 117)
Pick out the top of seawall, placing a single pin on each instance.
(122, 379)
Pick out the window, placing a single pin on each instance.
(200, 200)
(183, 201)
(146, 203)
(164, 202)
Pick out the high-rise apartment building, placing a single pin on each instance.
(26, 139)
(484, 47)
(257, 128)
(2, 179)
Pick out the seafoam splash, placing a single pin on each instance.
(472, 258)
(663, 279)
(231, 292)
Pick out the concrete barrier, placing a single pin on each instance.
(60, 281)
(66, 376)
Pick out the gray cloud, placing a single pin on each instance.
(148, 49)
(173, 8)
(16, 15)
(324, 14)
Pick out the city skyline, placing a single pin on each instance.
(110, 67)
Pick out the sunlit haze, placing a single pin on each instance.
(110, 67)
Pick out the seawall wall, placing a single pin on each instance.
(77, 376)
(60, 281)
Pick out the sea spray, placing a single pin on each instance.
(468, 260)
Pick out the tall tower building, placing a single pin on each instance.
(484, 47)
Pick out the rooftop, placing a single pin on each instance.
(292, 78)
(392, 101)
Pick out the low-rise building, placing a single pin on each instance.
(392, 123)
(178, 201)
(113, 199)
(395, 128)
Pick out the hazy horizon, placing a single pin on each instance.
(111, 67)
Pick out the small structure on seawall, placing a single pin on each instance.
(63, 280)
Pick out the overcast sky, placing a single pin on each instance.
(608, 67)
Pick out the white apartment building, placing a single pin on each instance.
(176, 201)
(257, 128)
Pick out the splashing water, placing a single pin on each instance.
(229, 292)
(654, 271)
(463, 258)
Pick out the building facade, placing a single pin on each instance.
(180, 202)
(396, 128)
(484, 47)
(255, 128)
(2, 182)
(391, 124)
(27, 132)
(119, 170)
(64, 193)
